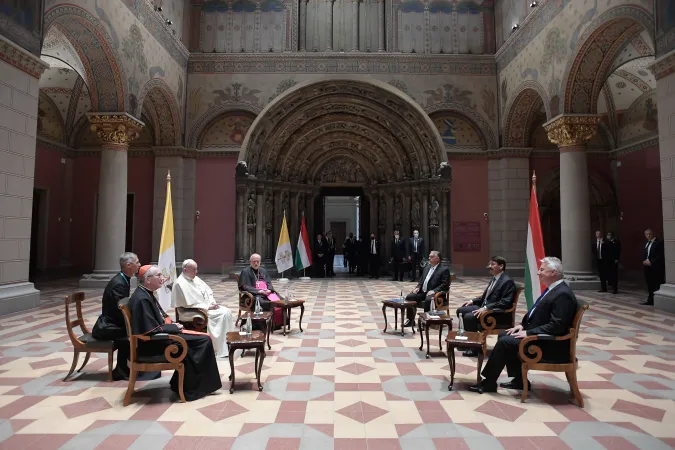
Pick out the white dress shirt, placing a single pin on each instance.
(426, 280)
(550, 288)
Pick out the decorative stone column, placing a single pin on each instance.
(241, 224)
(115, 131)
(329, 25)
(315, 36)
(380, 26)
(664, 72)
(355, 25)
(67, 213)
(303, 24)
(571, 133)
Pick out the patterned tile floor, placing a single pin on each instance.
(344, 384)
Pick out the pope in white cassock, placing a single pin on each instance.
(190, 291)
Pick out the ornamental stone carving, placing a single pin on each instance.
(568, 131)
(115, 129)
(269, 212)
(252, 207)
(382, 208)
(415, 212)
(341, 170)
(398, 212)
(434, 207)
(284, 202)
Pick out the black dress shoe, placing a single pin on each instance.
(394, 279)
(647, 303)
(482, 387)
(471, 353)
(407, 323)
(412, 281)
(515, 385)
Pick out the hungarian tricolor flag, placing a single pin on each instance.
(303, 255)
(535, 250)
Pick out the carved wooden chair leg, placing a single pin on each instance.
(526, 385)
(574, 386)
(86, 360)
(236, 324)
(76, 356)
(181, 378)
(130, 388)
(110, 365)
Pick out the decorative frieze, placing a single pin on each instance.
(572, 130)
(663, 66)
(21, 59)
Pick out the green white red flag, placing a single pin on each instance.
(535, 250)
(303, 255)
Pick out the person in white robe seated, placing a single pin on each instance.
(192, 292)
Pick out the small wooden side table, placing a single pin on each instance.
(396, 305)
(426, 321)
(236, 341)
(265, 318)
(474, 341)
(286, 312)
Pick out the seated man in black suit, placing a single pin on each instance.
(435, 278)
(498, 296)
(552, 314)
(110, 324)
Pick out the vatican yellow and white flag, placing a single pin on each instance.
(167, 251)
(284, 256)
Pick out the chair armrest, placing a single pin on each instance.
(196, 317)
(178, 345)
(535, 349)
(248, 299)
(487, 321)
(158, 337)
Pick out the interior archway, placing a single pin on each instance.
(522, 115)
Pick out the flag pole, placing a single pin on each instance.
(304, 276)
(283, 234)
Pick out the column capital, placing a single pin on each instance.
(572, 129)
(116, 129)
(663, 66)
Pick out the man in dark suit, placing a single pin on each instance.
(415, 254)
(435, 278)
(373, 252)
(654, 262)
(497, 297)
(614, 256)
(319, 252)
(397, 256)
(600, 252)
(552, 314)
(330, 254)
(110, 324)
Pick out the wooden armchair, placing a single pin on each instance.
(247, 299)
(140, 363)
(489, 322)
(84, 343)
(528, 348)
(192, 318)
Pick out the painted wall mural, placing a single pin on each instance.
(640, 120)
(509, 13)
(21, 22)
(49, 120)
(554, 58)
(449, 94)
(133, 49)
(227, 131)
(457, 131)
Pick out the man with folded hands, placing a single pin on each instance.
(435, 278)
(497, 297)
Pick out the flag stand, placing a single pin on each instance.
(283, 279)
(304, 276)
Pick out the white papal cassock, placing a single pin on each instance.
(194, 293)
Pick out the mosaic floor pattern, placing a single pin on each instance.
(344, 384)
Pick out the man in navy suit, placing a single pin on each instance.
(497, 297)
(552, 314)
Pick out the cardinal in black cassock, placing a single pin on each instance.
(148, 317)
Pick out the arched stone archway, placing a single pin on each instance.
(104, 73)
(596, 49)
(201, 125)
(159, 103)
(349, 132)
(522, 114)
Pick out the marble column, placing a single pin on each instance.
(380, 26)
(115, 131)
(424, 231)
(240, 241)
(303, 24)
(571, 133)
(329, 25)
(446, 225)
(260, 223)
(315, 36)
(664, 72)
(355, 25)
(67, 213)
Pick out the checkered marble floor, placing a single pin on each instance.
(344, 384)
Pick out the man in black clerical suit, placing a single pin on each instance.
(416, 250)
(110, 324)
(497, 297)
(552, 314)
(654, 262)
(601, 254)
(330, 254)
(373, 251)
(398, 256)
(251, 280)
(613, 256)
(201, 376)
(435, 278)
(319, 252)
(351, 252)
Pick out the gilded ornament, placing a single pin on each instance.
(570, 131)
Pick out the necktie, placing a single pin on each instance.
(415, 245)
(536, 303)
(649, 247)
(492, 285)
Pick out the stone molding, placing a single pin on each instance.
(21, 59)
(115, 129)
(338, 62)
(569, 130)
(663, 66)
(636, 147)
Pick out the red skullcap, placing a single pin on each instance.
(142, 270)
